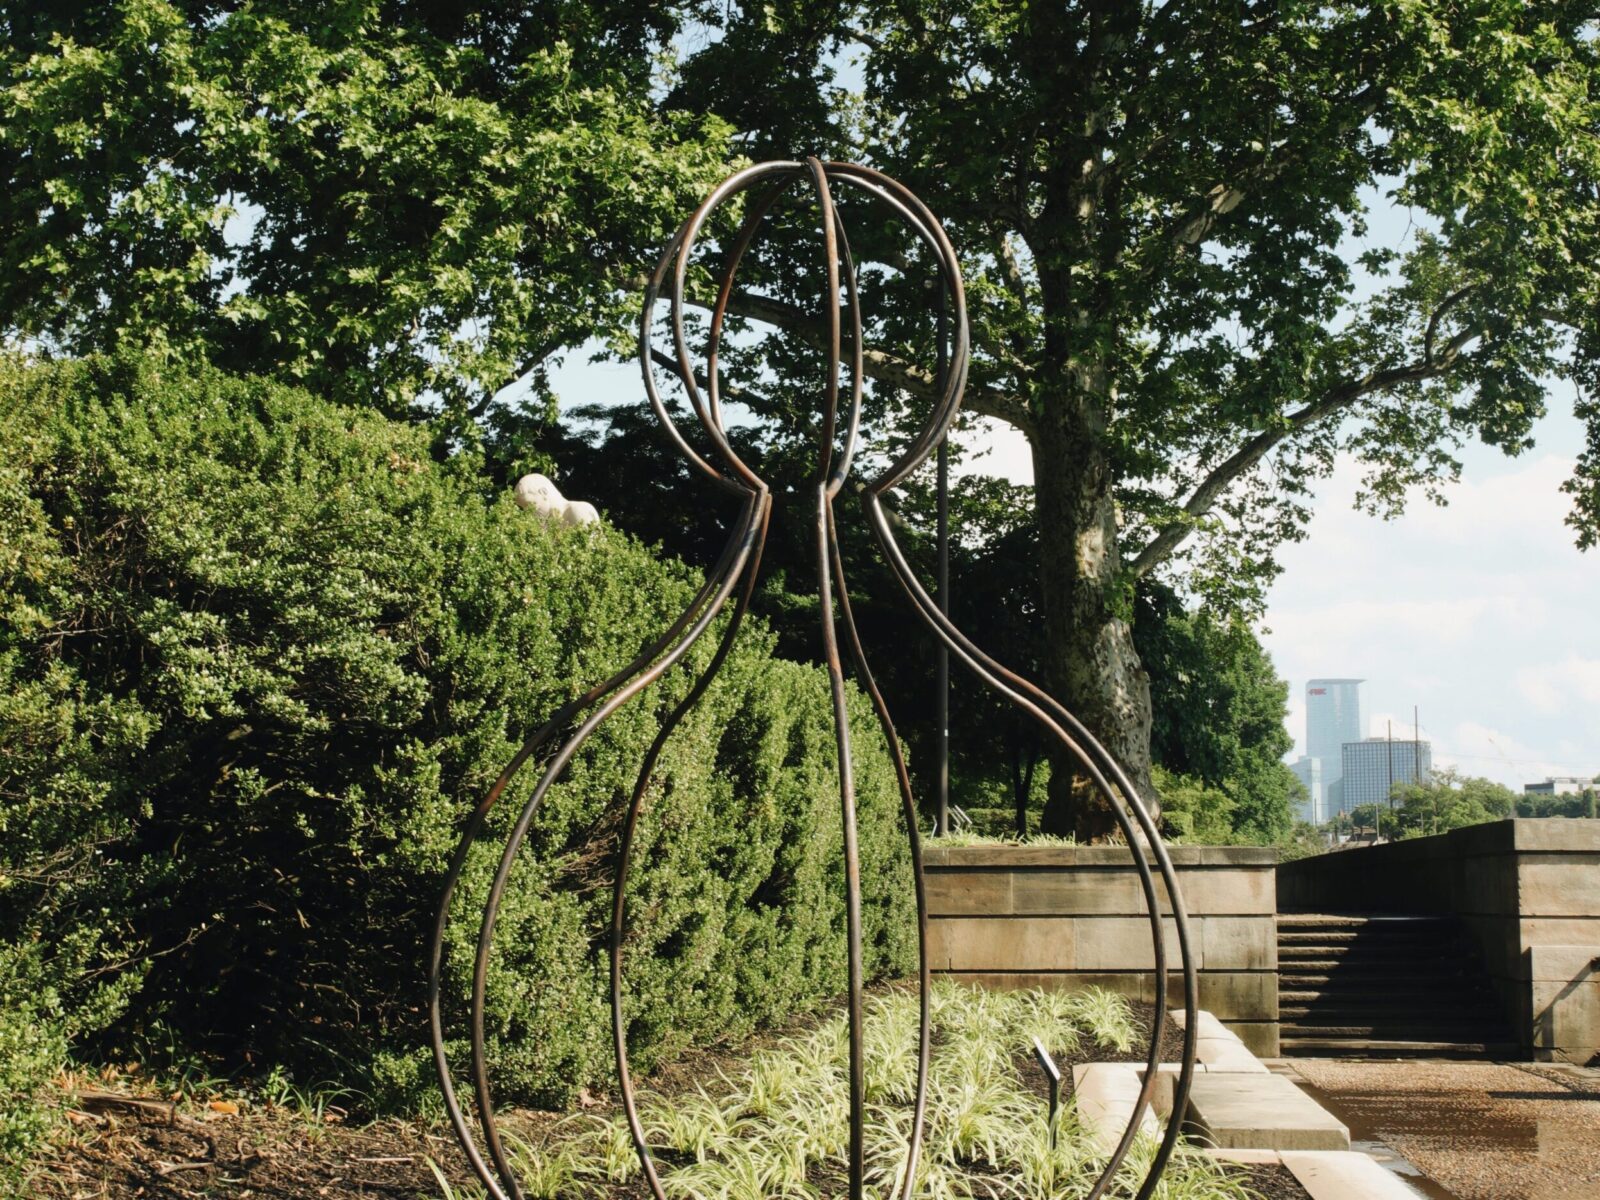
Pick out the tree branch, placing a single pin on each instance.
(529, 362)
(1334, 401)
(1192, 228)
(887, 368)
(1009, 270)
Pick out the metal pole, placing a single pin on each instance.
(942, 661)
(1391, 775)
(1416, 747)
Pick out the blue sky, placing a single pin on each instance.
(1479, 613)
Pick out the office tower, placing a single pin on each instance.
(1308, 771)
(1333, 717)
(1370, 766)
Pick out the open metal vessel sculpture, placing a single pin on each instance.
(736, 572)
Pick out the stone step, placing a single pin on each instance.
(1404, 1032)
(1308, 989)
(1292, 1045)
(1396, 979)
(1429, 999)
(1356, 921)
(1261, 1111)
(1361, 937)
(1326, 1008)
(1344, 1175)
(1364, 952)
(1358, 969)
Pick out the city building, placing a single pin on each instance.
(1372, 766)
(1559, 785)
(1308, 771)
(1333, 717)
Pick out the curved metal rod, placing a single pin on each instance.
(937, 428)
(908, 808)
(927, 227)
(745, 540)
(473, 830)
(677, 250)
(727, 189)
(1094, 759)
(625, 850)
(827, 489)
(740, 562)
(917, 215)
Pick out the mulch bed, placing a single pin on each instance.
(1273, 1182)
(140, 1153)
(1090, 1052)
(124, 1150)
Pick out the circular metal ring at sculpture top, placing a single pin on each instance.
(736, 572)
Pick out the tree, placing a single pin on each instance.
(391, 202)
(1574, 804)
(1447, 801)
(1217, 710)
(1153, 203)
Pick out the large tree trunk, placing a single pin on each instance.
(1089, 659)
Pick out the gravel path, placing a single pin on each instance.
(1486, 1131)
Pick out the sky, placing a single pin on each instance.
(1479, 614)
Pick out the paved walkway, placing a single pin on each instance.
(1485, 1131)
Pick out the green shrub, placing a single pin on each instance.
(261, 654)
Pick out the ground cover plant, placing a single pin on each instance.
(777, 1125)
(261, 653)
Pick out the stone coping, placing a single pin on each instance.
(1260, 1112)
(1524, 835)
(1327, 1174)
(1105, 1095)
(1003, 854)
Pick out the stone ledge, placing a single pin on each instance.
(1105, 1095)
(1006, 855)
(1025, 890)
(1345, 1175)
(1261, 1111)
(1235, 996)
(1560, 834)
(1218, 1047)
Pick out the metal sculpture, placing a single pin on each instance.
(736, 571)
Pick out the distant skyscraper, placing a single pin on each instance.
(1371, 766)
(1308, 771)
(1333, 717)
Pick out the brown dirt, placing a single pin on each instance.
(145, 1154)
(119, 1151)
(1089, 1052)
(1273, 1182)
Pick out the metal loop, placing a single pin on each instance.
(737, 569)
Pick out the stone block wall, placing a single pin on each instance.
(1528, 893)
(1073, 916)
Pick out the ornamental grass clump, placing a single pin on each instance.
(779, 1128)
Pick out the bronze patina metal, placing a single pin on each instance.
(734, 576)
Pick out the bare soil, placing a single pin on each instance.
(141, 1153)
(116, 1146)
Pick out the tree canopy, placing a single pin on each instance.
(1154, 204)
(385, 201)
(411, 206)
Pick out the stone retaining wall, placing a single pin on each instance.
(1072, 916)
(1527, 891)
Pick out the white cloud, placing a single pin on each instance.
(1479, 612)
(1554, 687)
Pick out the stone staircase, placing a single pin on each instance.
(1390, 987)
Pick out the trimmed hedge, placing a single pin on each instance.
(260, 654)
